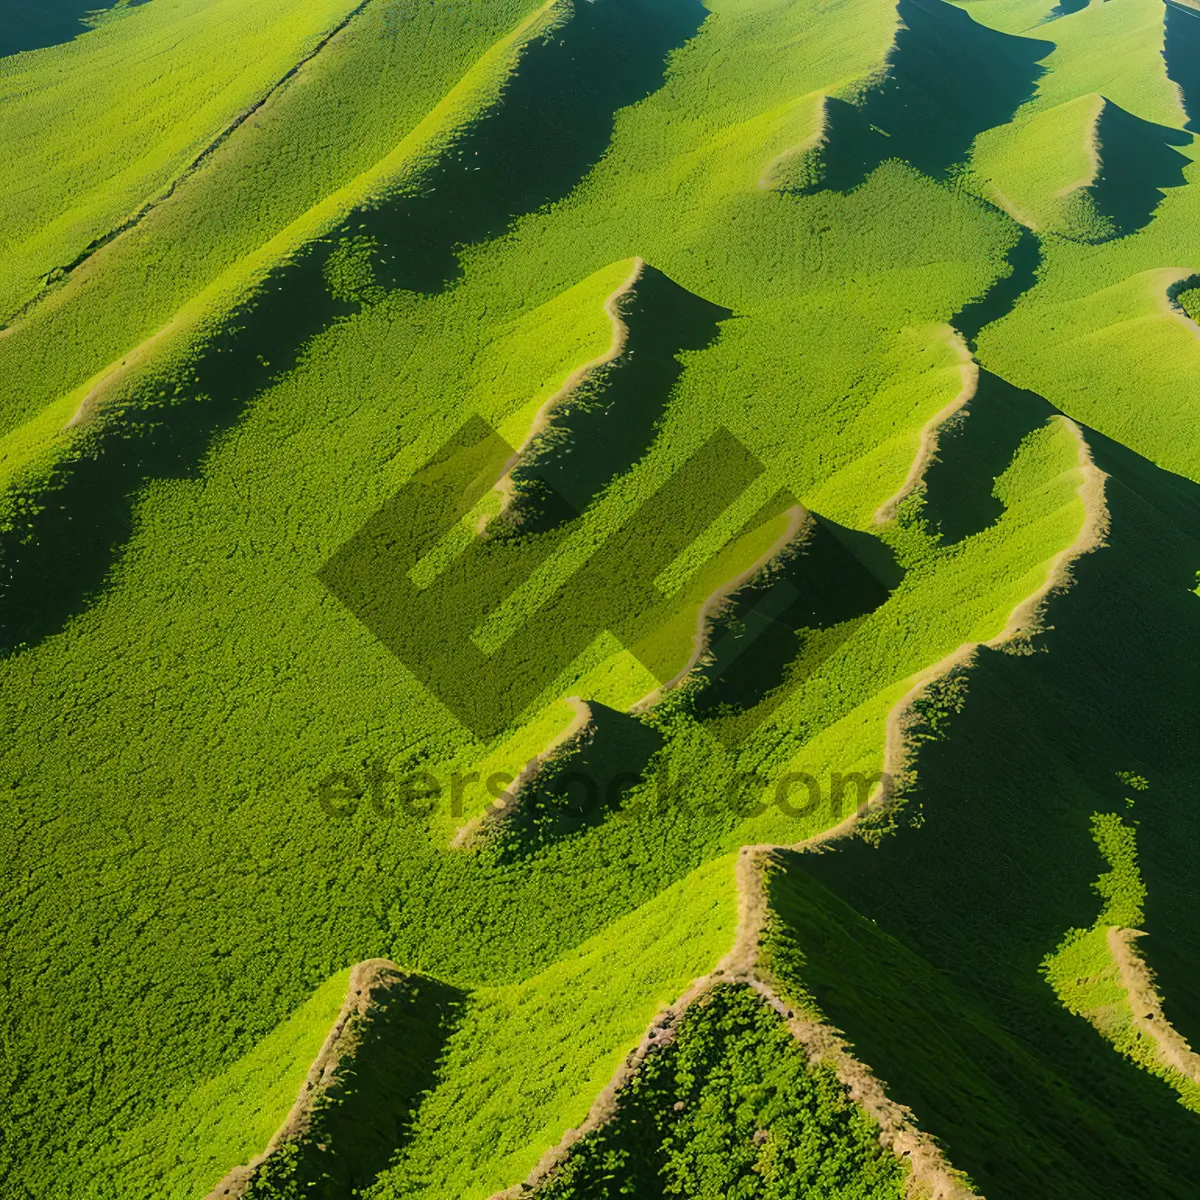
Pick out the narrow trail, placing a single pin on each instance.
(409, 158)
(1174, 1051)
(927, 448)
(58, 274)
(366, 980)
(545, 414)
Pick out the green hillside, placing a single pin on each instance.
(595, 599)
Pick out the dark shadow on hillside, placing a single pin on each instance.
(1064, 9)
(1181, 49)
(55, 562)
(1024, 261)
(1138, 162)
(551, 127)
(610, 422)
(992, 861)
(368, 1114)
(974, 451)
(36, 24)
(950, 78)
(582, 785)
(782, 629)
(989, 1090)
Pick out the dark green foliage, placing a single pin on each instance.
(1185, 295)
(1027, 1098)
(939, 703)
(731, 1109)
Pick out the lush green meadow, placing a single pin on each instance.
(843, 359)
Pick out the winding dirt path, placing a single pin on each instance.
(366, 980)
(545, 414)
(189, 169)
(1174, 1050)
(969, 374)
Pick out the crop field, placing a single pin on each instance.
(597, 599)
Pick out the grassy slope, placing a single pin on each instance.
(208, 893)
(93, 130)
(568, 1024)
(1096, 337)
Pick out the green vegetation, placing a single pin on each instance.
(1085, 972)
(785, 304)
(731, 1107)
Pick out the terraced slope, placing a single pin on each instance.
(596, 599)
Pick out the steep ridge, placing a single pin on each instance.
(634, 1128)
(379, 1056)
(947, 80)
(1137, 162)
(134, 285)
(586, 1155)
(1008, 783)
(1181, 49)
(806, 605)
(1126, 167)
(211, 810)
(604, 421)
